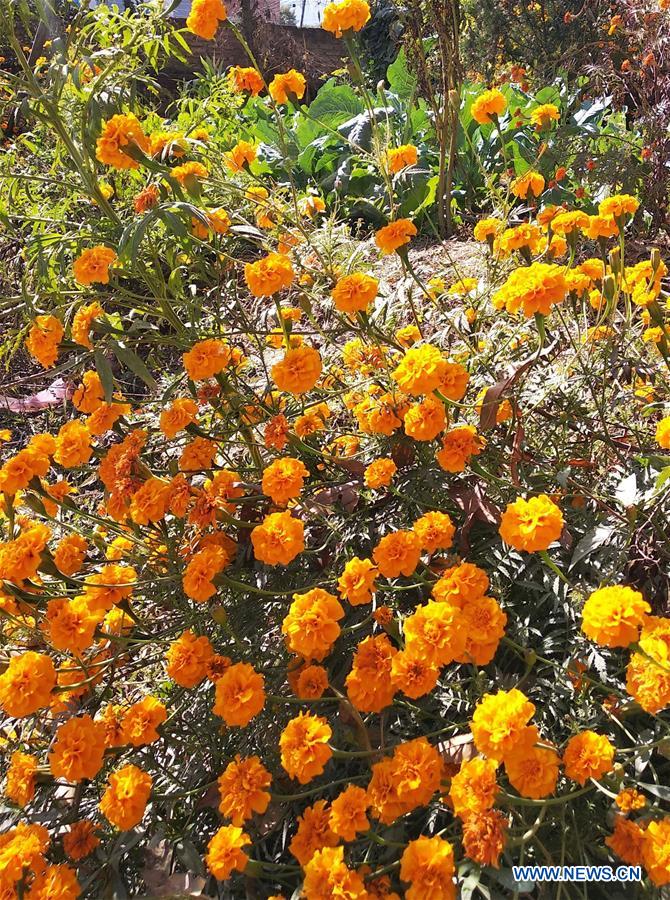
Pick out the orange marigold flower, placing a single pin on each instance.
(242, 789)
(311, 626)
(380, 473)
(92, 266)
(427, 864)
(483, 622)
(43, 339)
(435, 633)
(369, 684)
(412, 674)
(535, 288)
(287, 86)
(70, 554)
(206, 358)
(312, 682)
(141, 721)
(204, 17)
(531, 524)
(474, 788)
(147, 198)
(484, 837)
(397, 554)
(348, 813)
(276, 432)
(587, 755)
(355, 292)
(398, 158)
(126, 796)
(55, 881)
(240, 695)
(239, 156)
(531, 769)
(278, 539)
(487, 105)
(73, 445)
(182, 412)
(80, 840)
(298, 371)
(600, 227)
(357, 582)
(304, 746)
(269, 275)
(542, 116)
(327, 875)
(78, 749)
(187, 659)
(283, 479)
(435, 531)
(425, 420)
(121, 133)
(618, 206)
(20, 785)
(656, 851)
(344, 16)
(314, 833)
(630, 799)
(70, 624)
(627, 841)
(528, 185)
(90, 393)
(200, 572)
(197, 455)
(461, 584)
(395, 235)
(151, 501)
(458, 446)
(612, 616)
(26, 684)
(109, 586)
(246, 78)
(189, 174)
(498, 722)
(225, 852)
(487, 229)
(81, 323)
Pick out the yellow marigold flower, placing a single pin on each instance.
(287, 86)
(488, 104)
(246, 79)
(395, 235)
(531, 524)
(600, 227)
(663, 433)
(474, 788)
(240, 695)
(126, 796)
(397, 554)
(298, 371)
(304, 747)
(20, 785)
(498, 722)
(311, 626)
(421, 370)
(398, 158)
(269, 275)
(535, 289)
(204, 17)
(532, 770)
(528, 239)
(425, 420)
(380, 473)
(618, 206)
(612, 616)
(242, 789)
(311, 205)
(566, 223)
(357, 581)
(543, 115)
(226, 853)
(43, 339)
(348, 813)
(529, 184)
(587, 755)
(78, 750)
(354, 293)
(458, 446)
(427, 864)
(344, 16)
(26, 684)
(487, 229)
(118, 134)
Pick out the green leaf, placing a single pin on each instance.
(132, 361)
(335, 103)
(104, 370)
(400, 79)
